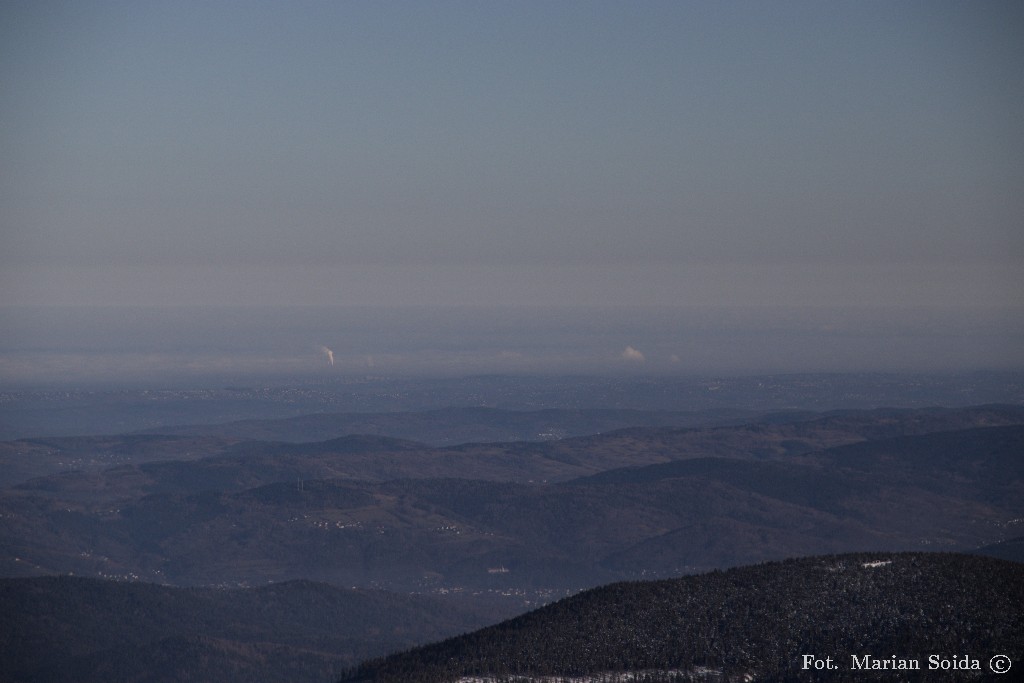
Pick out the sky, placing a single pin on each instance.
(766, 155)
(402, 153)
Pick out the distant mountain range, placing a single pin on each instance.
(389, 405)
(820, 618)
(762, 435)
(451, 426)
(26, 459)
(562, 515)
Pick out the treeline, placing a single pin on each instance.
(756, 620)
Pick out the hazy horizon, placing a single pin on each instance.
(68, 345)
(809, 186)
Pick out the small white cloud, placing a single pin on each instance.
(632, 354)
(673, 358)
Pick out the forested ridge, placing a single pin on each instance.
(756, 620)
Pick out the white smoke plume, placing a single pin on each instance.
(330, 355)
(633, 355)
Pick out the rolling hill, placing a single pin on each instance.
(953, 490)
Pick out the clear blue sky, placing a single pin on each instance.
(697, 153)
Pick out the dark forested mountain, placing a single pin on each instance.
(74, 629)
(752, 623)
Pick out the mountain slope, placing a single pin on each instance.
(756, 620)
(68, 628)
(1011, 549)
